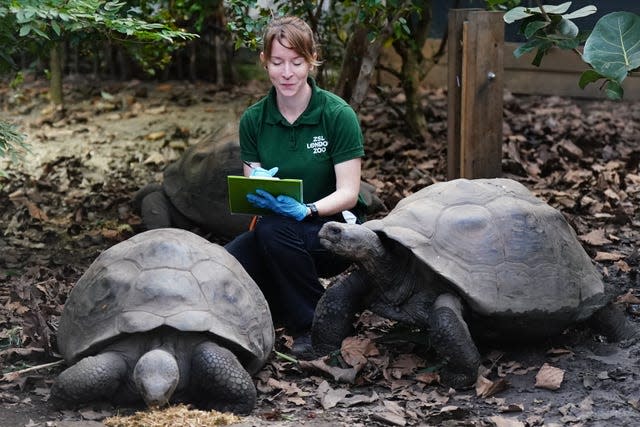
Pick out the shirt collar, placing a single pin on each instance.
(311, 114)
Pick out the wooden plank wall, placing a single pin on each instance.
(558, 75)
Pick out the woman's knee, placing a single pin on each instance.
(270, 232)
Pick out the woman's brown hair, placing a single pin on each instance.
(292, 33)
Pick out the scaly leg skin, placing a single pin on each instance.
(92, 378)
(335, 312)
(452, 341)
(218, 380)
(612, 322)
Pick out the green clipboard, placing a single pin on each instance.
(240, 186)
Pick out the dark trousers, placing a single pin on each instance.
(285, 258)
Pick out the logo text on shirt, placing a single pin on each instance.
(318, 145)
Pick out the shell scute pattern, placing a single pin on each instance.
(165, 277)
(495, 242)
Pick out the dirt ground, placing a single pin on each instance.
(70, 199)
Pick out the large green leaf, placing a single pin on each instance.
(581, 13)
(613, 48)
(520, 12)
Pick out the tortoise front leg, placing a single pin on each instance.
(612, 322)
(335, 312)
(92, 378)
(218, 380)
(452, 341)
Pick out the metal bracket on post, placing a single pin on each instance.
(475, 86)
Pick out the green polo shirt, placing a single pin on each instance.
(327, 133)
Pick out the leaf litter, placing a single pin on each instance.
(71, 200)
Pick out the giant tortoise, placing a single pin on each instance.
(466, 259)
(193, 194)
(164, 316)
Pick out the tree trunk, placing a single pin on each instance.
(218, 59)
(192, 53)
(123, 64)
(415, 68)
(55, 66)
(350, 69)
(369, 62)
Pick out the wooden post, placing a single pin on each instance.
(475, 84)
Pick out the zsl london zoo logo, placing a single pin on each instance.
(319, 145)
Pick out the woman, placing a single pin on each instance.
(297, 131)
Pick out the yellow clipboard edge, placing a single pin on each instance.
(240, 186)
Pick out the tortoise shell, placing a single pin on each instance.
(196, 183)
(172, 278)
(504, 250)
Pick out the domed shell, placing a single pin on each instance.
(505, 251)
(196, 183)
(167, 277)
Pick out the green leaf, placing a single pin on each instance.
(558, 10)
(25, 30)
(614, 90)
(526, 48)
(534, 27)
(589, 76)
(581, 13)
(613, 48)
(56, 27)
(567, 44)
(519, 13)
(516, 14)
(568, 28)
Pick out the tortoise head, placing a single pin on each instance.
(156, 376)
(352, 241)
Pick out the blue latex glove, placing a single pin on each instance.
(283, 205)
(263, 173)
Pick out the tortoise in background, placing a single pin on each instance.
(193, 192)
(164, 316)
(466, 259)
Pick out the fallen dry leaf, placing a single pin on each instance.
(389, 418)
(339, 374)
(288, 387)
(512, 407)
(329, 397)
(608, 256)
(486, 387)
(559, 352)
(500, 421)
(154, 136)
(628, 298)
(405, 364)
(358, 399)
(427, 378)
(623, 266)
(355, 351)
(549, 377)
(595, 238)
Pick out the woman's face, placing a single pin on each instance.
(287, 70)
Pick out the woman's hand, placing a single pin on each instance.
(283, 205)
(258, 172)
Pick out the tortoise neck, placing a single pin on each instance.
(380, 264)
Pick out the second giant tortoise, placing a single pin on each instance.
(466, 259)
(164, 316)
(193, 194)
